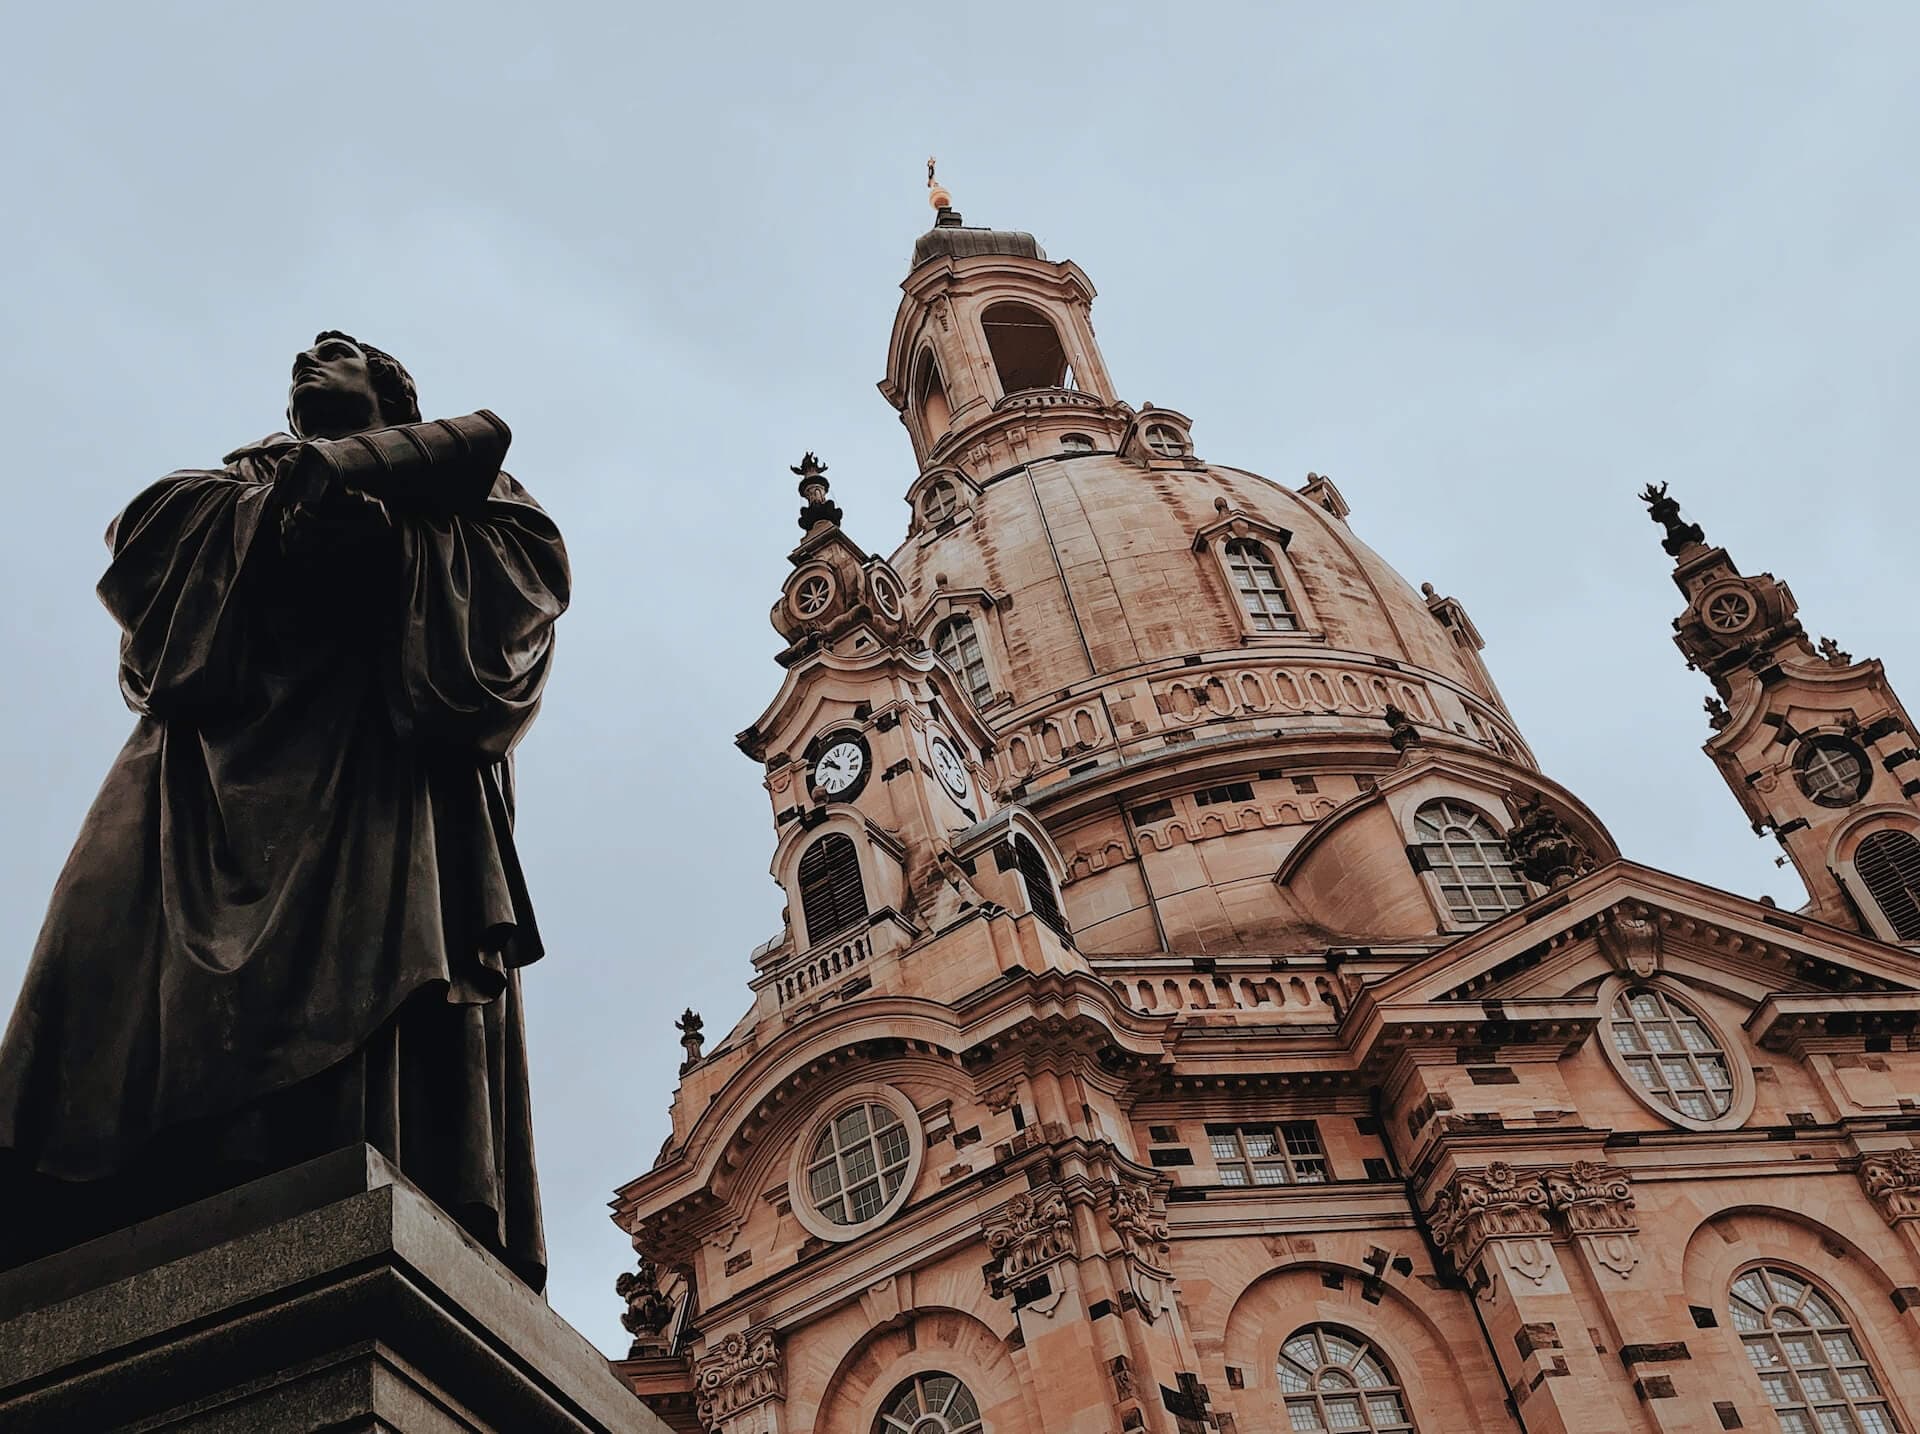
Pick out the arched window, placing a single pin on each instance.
(1332, 1379)
(832, 896)
(935, 411)
(1075, 443)
(1477, 876)
(1165, 441)
(1671, 1053)
(956, 642)
(1805, 1353)
(1025, 347)
(1039, 883)
(930, 1404)
(858, 1163)
(1257, 581)
(1889, 864)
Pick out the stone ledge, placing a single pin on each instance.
(332, 1295)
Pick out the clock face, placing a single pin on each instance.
(841, 768)
(949, 768)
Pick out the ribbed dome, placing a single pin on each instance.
(1141, 593)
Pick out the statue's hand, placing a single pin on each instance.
(320, 518)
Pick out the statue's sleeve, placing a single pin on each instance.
(482, 593)
(180, 552)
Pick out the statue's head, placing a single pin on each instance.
(343, 386)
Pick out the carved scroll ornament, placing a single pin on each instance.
(742, 1372)
(1130, 1212)
(1592, 1198)
(1892, 1180)
(1492, 1204)
(1034, 1230)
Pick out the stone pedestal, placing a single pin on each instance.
(330, 1296)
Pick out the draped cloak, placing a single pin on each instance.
(294, 916)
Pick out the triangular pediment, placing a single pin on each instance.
(1635, 920)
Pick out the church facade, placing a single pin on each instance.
(1196, 1011)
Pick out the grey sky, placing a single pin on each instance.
(1491, 267)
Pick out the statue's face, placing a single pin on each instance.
(333, 392)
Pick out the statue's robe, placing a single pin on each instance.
(294, 917)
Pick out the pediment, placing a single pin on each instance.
(1634, 920)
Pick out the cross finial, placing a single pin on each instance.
(937, 194)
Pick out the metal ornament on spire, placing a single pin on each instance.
(937, 194)
(813, 487)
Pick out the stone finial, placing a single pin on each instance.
(1830, 650)
(1544, 848)
(1400, 729)
(1717, 715)
(1666, 512)
(648, 1311)
(692, 1037)
(813, 487)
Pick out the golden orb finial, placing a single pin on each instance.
(937, 194)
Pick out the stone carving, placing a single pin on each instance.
(812, 474)
(692, 1037)
(1666, 512)
(1034, 1230)
(1718, 717)
(1892, 1180)
(745, 1370)
(1400, 729)
(1494, 1204)
(1546, 851)
(1630, 939)
(1835, 657)
(1130, 1212)
(1595, 1202)
(648, 1311)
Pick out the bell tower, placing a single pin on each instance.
(1816, 747)
(993, 361)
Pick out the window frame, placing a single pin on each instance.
(1285, 1157)
(885, 1422)
(1274, 542)
(1884, 1397)
(1830, 744)
(1739, 1063)
(800, 1161)
(1902, 927)
(1436, 886)
(952, 619)
(856, 924)
(1318, 1330)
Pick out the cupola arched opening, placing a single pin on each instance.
(1026, 348)
(833, 897)
(930, 393)
(1889, 867)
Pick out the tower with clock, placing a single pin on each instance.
(1196, 1010)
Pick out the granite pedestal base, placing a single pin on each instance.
(332, 1296)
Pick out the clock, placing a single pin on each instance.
(841, 768)
(948, 767)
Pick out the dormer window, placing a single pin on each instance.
(1463, 851)
(833, 898)
(1039, 883)
(1075, 443)
(956, 642)
(1165, 441)
(937, 504)
(1256, 580)
(1026, 348)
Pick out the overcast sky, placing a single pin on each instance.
(1492, 267)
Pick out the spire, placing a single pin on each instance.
(1666, 512)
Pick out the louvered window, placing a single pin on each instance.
(1257, 582)
(832, 897)
(1040, 894)
(1889, 864)
(957, 643)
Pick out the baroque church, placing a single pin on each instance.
(1196, 1011)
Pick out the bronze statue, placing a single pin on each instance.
(294, 918)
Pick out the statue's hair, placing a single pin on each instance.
(399, 401)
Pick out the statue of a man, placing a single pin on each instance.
(294, 918)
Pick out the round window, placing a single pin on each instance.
(855, 1168)
(1832, 771)
(812, 593)
(1728, 610)
(1675, 1061)
(939, 501)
